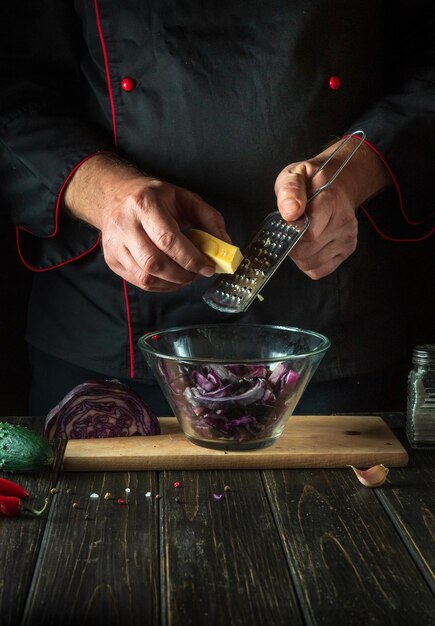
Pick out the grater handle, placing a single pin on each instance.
(356, 133)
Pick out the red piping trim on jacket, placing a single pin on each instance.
(52, 267)
(130, 331)
(56, 225)
(115, 139)
(106, 67)
(402, 209)
(396, 239)
(59, 195)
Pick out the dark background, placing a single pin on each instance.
(15, 286)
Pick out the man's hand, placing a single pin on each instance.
(333, 232)
(140, 219)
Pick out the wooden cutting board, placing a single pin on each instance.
(307, 441)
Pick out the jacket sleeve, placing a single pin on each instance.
(43, 134)
(400, 126)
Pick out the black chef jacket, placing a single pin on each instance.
(218, 97)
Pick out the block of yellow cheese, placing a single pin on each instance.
(225, 256)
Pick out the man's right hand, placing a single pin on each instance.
(141, 219)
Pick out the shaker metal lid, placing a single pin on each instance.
(424, 354)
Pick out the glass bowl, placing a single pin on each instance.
(233, 386)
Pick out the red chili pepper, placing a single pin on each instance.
(12, 506)
(8, 488)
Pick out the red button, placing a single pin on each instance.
(334, 82)
(128, 84)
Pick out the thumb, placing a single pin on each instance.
(291, 191)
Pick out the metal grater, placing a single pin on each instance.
(234, 293)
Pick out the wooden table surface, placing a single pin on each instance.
(282, 547)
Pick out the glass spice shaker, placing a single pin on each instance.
(420, 417)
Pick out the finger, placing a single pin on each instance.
(127, 267)
(320, 232)
(161, 286)
(291, 192)
(327, 268)
(164, 232)
(321, 217)
(151, 262)
(139, 257)
(319, 262)
(329, 219)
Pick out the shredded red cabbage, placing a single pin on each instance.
(98, 409)
(231, 402)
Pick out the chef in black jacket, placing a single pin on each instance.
(122, 124)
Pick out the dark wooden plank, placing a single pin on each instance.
(348, 562)
(101, 570)
(223, 560)
(20, 537)
(409, 501)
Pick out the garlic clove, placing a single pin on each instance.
(373, 477)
